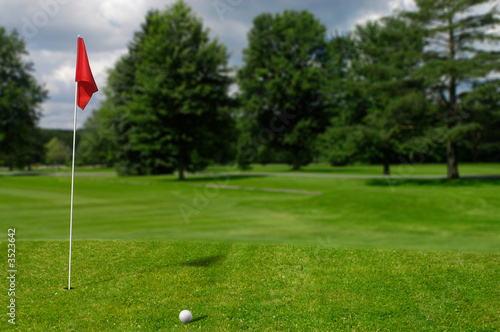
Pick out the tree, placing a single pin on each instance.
(169, 107)
(457, 37)
(390, 51)
(57, 152)
(281, 85)
(381, 101)
(20, 97)
(481, 106)
(98, 144)
(349, 103)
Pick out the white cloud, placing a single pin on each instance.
(393, 5)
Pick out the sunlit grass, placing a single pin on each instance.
(143, 285)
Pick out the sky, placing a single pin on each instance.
(50, 29)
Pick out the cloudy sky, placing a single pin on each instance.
(50, 28)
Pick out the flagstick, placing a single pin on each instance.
(72, 183)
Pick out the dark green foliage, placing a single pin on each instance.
(381, 102)
(62, 135)
(457, 54)
(481, 109)
(57, 152)
(20, 96)
(168, 106)
(281, 86)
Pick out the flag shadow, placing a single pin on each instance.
(205, 261)
(201, 262)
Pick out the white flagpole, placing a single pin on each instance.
(72, 184)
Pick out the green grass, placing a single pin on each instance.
(414, 214)
(61, 169)
(396, 170)
(143, 285)
(342, 254)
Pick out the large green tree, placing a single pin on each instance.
(20, 98)
(389, 52)
(167, 99)
(380, 101)
(349, 103)
(458, 34)
(281, 85)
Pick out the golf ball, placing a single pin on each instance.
(185, 316)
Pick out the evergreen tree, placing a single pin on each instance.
(457, 54)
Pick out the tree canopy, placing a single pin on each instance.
(281, 84)
(20, 98)
(458, 53)
(168, 98)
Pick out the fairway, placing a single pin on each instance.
(254, 252)
(414, 214)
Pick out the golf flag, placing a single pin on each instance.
(84, 78)
(85, 87)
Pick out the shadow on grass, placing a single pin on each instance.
(472, 181)
(201, 262)
(199, 318)
(216, 177)
(350, 170)
(14, 173)
(205, 261)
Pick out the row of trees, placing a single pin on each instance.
(409, 87)
(412, 87)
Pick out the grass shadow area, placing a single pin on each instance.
(199, 318)
(337, 170)
(200, 262)
(205, 261)
(472, 181)
(15, 173)
(217, 177)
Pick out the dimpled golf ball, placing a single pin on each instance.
(185, 316)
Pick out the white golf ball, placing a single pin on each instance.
(185, 316)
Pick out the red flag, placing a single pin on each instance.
(86, 83)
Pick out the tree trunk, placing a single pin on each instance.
(451, 147)
(181, 173)
(387, 166)
(296, 161)
(451, 153)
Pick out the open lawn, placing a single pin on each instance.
(419, 214)
(143, 285)
(254, 252)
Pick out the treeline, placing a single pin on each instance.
(413, 87)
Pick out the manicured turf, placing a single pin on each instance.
(419, 214)
(247, 252)
(143, 285)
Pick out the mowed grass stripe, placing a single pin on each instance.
(426, 214)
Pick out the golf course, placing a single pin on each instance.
(233, 165)
(322, 249)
